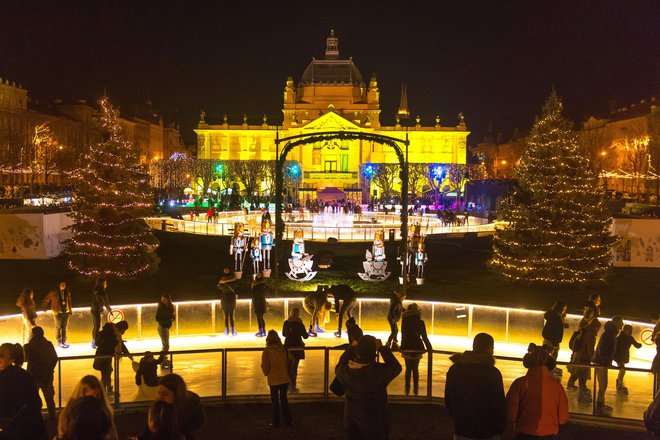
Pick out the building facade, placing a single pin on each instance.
(332, 95)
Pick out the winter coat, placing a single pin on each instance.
(59, 302)
(19, 400)
(190, 415)
(227, 298)
(413, 335)
(259, 293)
(294, 332)
(148, 371)
(365, 408)
(100, 300)
(474, 396)
(314, 301)
(536, 403)
(165, 314)
(275, 364)
(344, 293)
(588, 333)
(28, 309)
(604, 354)
(41, 358)
(396, 308)
(553, 330)
(622, 352)
(109, 342)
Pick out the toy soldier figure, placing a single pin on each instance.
(238, 248)
(266, 243)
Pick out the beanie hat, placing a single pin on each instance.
(366, 349)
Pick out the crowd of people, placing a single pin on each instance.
(535, 405)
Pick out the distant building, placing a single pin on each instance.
(331, 95)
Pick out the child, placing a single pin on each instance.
(622, 355)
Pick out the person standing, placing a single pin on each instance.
(20, 405)
(603, 356)
(348, 298)
(28, 308)
(165, 316)
(110, 343)
(536, 403)
(260, 291)
(60, 303)
(41, 358)
(294, 332)
(275, 364)
(474, 392)
(553, 330)
(228, 300)
(99, 302)
(584, 342)
(414, 342)
(365, 382)
(622, 355)
(393, 316)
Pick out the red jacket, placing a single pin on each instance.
(536, 403)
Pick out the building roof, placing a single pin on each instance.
(332, 69)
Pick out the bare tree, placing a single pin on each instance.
(384, 177)
(417, 178)
(45, 149)
(632, 146)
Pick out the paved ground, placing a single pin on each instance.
(321, 421)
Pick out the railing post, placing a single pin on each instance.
(432, 318)
(360, 312)
(213, 306)
(429, 376)
(224, 375)
(139, 322)
(116, 390)
(326, 372)
(596, 385)
(470, 310)
(176, 321)
(506, 329)
(59, 382)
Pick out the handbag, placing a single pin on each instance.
(337, 387)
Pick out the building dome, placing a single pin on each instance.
(332, 69)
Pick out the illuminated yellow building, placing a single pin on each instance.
(331, 95)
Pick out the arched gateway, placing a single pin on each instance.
(317, 137)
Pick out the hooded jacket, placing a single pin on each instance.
(537, 403)
(474, 396)
(604, 354)
(365, 409)
(553, 330)
(294, 332)
(100, 299)
(275, 362)
(41, 358)
(413, 334)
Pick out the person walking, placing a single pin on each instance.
(622, 355)
(553, 330)
(228, 300)
(110, 344)
(60, 303)
(583, 344)
(536, 403)
(88, 386)
(165, 316)
(603, 356)
(25, 302)
(260, 292)
(41, 358)
(393, 316)
(189, 410)
(20, 405)
(294, 332)
(348, 298)
(474, 392)
(365, 382)
(276, 361)
(414, 342)
(162, 423)
(99, 302)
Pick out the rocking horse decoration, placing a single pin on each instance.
(238, 248)
(300, 263)
(375, 264)
(411, 255)
(266, 243)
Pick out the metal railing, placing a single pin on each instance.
(435, 374)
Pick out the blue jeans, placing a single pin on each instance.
(164, 334)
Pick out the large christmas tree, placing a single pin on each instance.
(111, 198)
(558, 229)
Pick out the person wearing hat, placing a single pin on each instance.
(365, 382)
(536, 403)
(41, 358)
(260, 291)
(228, 300)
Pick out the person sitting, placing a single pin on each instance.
(87, 419)
(88, 386)
(162, 423)
(189, 410)
(146, 377)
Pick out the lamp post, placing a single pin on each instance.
(602, 170)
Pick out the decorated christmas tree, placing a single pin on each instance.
(111, 198)
(558, 229)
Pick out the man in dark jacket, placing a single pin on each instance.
(348, 298)
(42, 359)
(260, 291)
(365, 382)
(393, 316)
(474, 392)
(603, 356)
(59, 302)
(99, 301)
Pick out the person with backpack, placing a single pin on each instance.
(622, 355)
(294, 332)
(41, 358)
(582, 344)
(276, 361)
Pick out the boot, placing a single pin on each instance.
(311, 332)
(571, 385)
(226, 331)
(63, 344)
(585, 395)
(259, 334)
(603, 410)
(319, 329)
(94, 344)
(233, 332)
(416, 389)
(338, 334)
(407, 389)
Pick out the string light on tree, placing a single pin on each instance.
(558, 229)
(112, 197)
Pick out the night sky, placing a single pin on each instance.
(496, 61)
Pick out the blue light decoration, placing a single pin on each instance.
(294, 170)
(438, 172)
(219, 168)
(368, 170)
